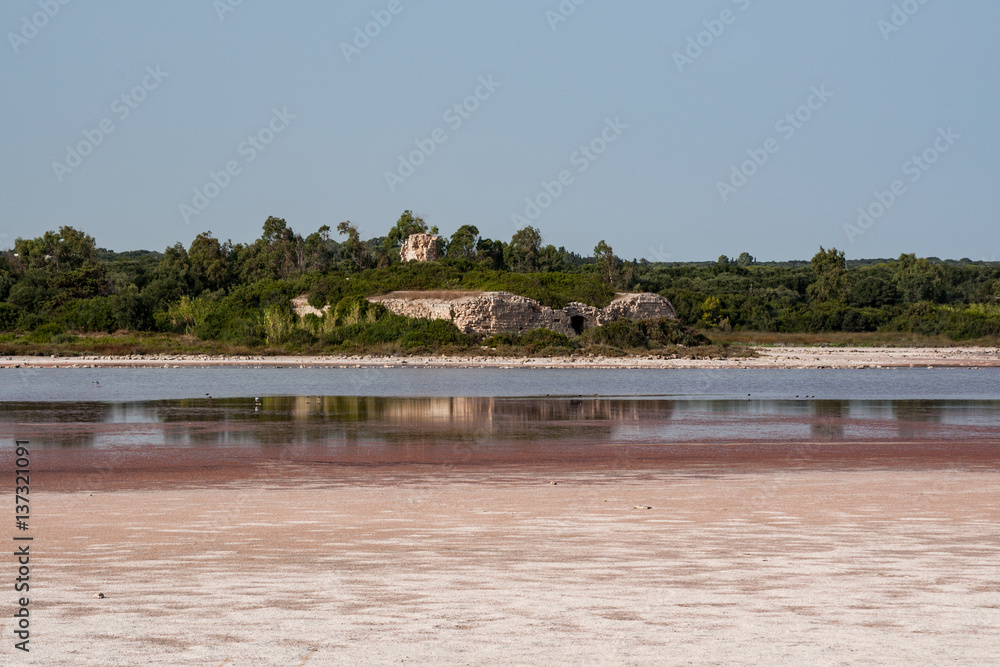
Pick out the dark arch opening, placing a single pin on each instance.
(577, 322)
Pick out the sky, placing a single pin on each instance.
(676, 131)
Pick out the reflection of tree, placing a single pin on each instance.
(913, 416)
(828, 422)
(68, 425)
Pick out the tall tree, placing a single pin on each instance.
(64, 250)
(491, 254)
(463, 242)
(208, 261)
(320, 250)
(353, 249)
(406, 225)
(522, 253)
(607, 263)
(831, 275)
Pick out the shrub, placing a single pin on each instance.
(543, 338)
(665, 332)
(434, 334)
(299, 340)
(43, 334)
(354, 309)
(404, 332)
(499, 340)
(94, 314)
(620, 333)
(10, 317)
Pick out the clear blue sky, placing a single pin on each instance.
(679, 126)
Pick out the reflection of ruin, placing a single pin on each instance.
(291, 420)
(429, 411)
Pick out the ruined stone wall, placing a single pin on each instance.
(425, 309)
(490, 313)
(419, 248)
(300, 305)
(496, 312)
(645, 306)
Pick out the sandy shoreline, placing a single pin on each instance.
(769, 357)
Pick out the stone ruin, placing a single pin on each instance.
(419, 248)
(300, 305)
(490, 313)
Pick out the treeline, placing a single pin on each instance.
(59, 287)
(958, 300)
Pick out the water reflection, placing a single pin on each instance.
(829, 423)
(281, 421)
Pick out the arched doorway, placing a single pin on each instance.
(577, 322)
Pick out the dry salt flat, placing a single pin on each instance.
(481, 566)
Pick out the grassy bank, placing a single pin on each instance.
(391, 335)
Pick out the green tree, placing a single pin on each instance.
(711, 311)
(64, 250)
(522, 253)
(320, 250)
(492, 254)
(918, 279)
(872, 292)
(831, 275)
(208, 261)
(463, 242)
(607, 263)
(407, 225)
(353, 249)
(550, 260)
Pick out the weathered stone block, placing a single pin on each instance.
(419, 248)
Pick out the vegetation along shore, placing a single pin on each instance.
(61, 294)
